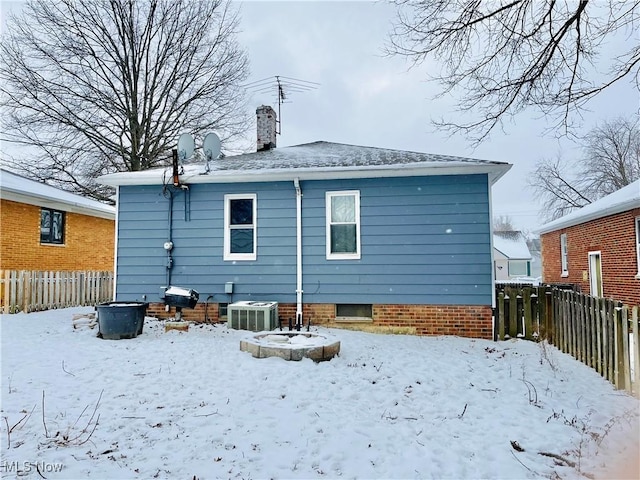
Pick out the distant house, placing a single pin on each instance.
(337, 234)
(535, 249)
(597, 247)
(511, 256)
(45, 228)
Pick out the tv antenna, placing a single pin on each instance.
(284, 88)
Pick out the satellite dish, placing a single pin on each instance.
(211, 146)
(186, 146)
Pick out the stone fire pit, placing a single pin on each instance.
(292, 345)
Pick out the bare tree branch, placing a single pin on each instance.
(505, 57)
(101, 86)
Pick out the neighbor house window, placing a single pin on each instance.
(343, 225)
(51, 226)
(638, 243)
(240, 227)
(564, 255)
(519, 268)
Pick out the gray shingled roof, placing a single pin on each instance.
(326, 154)
(317, 160)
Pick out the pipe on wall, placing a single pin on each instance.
(296, 184)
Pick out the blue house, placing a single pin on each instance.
(336, 234)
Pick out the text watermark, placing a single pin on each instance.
(26, 467)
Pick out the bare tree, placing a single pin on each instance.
(100, 86)
(611, 161)
(508, 56)
(503, 223)
(612, 157)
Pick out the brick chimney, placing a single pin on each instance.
(266, 126)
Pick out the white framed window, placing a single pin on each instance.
(638, 245)
(343, 225)
(240, 226)
(564, 255)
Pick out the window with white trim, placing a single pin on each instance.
(343, 225)
(240, 226)
(638, 244)
(564, 255)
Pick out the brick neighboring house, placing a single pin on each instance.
(597, 247)
(45, 228)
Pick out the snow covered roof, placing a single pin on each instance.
(620, 201)
(24, 190)
(315, 161)
(511, 244)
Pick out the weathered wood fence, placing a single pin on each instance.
(30, 291)
(601, 333)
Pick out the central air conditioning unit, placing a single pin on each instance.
(253, 316)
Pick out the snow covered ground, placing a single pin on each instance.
(192, 405)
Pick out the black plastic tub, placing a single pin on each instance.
(119, 320)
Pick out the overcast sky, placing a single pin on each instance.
(366, 98)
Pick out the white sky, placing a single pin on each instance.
(366, 98)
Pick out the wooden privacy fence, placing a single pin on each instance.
(601, 333)
(30, 291)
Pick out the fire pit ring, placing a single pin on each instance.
(292, 345)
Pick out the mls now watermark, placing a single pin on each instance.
(26, 467)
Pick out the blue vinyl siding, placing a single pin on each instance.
(424, 240)
(198, 243)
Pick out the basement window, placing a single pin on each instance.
(51, 226)
(353, 311)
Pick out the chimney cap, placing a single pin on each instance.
(265, 108)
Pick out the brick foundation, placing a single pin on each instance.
(463, 320)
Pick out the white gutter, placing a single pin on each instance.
(296, 184)
(196, 175)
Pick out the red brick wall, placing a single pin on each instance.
(461, 320)
(614, 236)
(89, 241)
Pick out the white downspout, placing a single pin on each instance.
(296, 183)
(493, 260)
